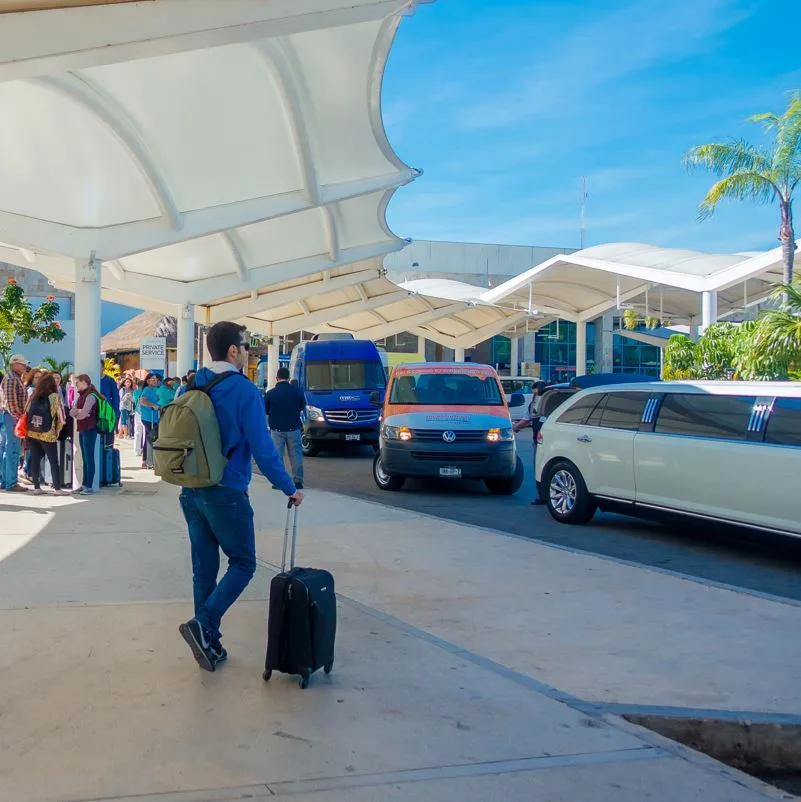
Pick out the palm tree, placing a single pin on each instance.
(775, 346)
(749, 172)
(57, 367)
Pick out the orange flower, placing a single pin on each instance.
(12, 281)
(50, 298)
(57, 325)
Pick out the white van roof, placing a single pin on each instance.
(769, 389)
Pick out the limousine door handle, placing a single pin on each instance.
(584, 439)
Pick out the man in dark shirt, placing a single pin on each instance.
(284, 405)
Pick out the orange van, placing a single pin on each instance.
(447, 421)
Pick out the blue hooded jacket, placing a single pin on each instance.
(243, 431)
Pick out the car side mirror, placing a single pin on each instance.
(375, 398)
(517, 400)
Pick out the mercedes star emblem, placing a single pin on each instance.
(449, 437)
(352, 416)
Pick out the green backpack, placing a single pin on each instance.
(106, 417)
(188, 451)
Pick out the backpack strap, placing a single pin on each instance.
(206, 388)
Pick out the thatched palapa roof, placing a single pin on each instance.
(129, 336)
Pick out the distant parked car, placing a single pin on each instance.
(726, 452)
(522, 385)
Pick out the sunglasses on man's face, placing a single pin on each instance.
(246, 346)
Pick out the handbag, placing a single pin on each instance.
(21, 429)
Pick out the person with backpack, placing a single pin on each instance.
(109, 391)
(208, 439)
(86, 414)
(45, 420)
(534, 421)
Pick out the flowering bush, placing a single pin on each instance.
(19, 321)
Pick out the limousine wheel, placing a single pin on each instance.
(566, 494)
(510, 486)
(309, 447)
(384, 480)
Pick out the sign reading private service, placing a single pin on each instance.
(153, 354)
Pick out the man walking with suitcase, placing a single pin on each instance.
(220, 517)
(284, 405)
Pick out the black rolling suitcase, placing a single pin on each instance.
(302, 620)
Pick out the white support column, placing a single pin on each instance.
(709, 309)
(273, 351)
(581, 348)
(87, 346)
(421, 348)
(458, 354)
(604, 343)
(514, 359)
(186, 339)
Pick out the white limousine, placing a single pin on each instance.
(728, 452)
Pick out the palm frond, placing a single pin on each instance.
(727, 158)
(745, 185)
(790, 297)
(787, 154)
(768, 119)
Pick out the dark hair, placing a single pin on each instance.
(221, 337)
(151, 376)
(83, 377)
(45, 387)
(283, 374)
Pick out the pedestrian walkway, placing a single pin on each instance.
(470, 666)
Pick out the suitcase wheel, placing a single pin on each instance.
(329, 668)
(266, 675)
(304, 682)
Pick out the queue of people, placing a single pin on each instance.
(41, 415)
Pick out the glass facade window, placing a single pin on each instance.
(555, 350)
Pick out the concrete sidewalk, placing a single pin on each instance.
(469, 666)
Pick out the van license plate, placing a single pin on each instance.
(353, 437)
(450, 473)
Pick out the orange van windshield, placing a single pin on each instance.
(445, 389)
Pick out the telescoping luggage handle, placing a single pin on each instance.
(291, 518)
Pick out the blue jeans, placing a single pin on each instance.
(291, 442)
(218, 518)
(10, 448)
(87, 442)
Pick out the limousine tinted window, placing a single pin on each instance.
(579, 412)
(784, 425)
(623, 410)
(697, 415)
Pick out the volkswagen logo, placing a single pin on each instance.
(449, 437)
(352, 416)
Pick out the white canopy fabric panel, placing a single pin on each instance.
(196, 148)
(658, 281)
(360, 300)
(448, 312)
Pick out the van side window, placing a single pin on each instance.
(784, 425)
(698, 415)
(623, 411)
(580, 411)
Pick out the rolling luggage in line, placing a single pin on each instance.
(302, 619)
(65, 462)
(110, 471)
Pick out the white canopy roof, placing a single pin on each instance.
(362, 301)
(583, 285)
(198, 148)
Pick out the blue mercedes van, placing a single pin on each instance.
(340, 379)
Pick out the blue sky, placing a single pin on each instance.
(506, 103)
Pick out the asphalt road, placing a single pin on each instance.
(757, 563)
